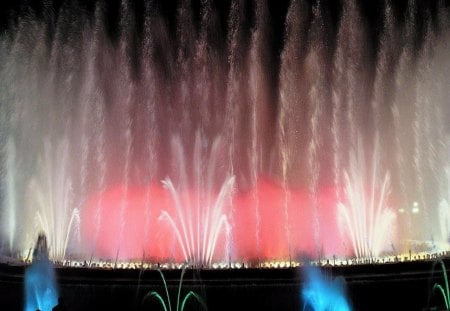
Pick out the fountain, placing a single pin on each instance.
(211, 133)
(369, 228)
(166, 303)
(320, 294)
(201, 218)
(55, 214)
(444, 215)
(40, 283)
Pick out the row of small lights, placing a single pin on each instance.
(264, 265)
(173, 266)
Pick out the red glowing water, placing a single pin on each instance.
(267, 222)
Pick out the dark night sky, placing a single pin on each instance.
(371, 10)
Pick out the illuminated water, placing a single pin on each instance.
(200, 218)
(165, 300)
(368, 228)
(40, 282)
(195, 136)
(320, 293)
(40, 287)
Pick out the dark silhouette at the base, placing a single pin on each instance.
(61, 306)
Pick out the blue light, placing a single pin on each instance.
(40, 287)
(320, 294)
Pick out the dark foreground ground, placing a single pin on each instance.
(369, 287)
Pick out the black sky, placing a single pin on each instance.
(372, 11)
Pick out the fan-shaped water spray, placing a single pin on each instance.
(200, 218)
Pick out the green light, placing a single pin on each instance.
(445, 293)
(166, 304)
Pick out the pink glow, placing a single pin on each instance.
(145, 232)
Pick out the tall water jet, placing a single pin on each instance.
(348, 79)
(315, 71)
(150, 108)
(290, 73)
(123, 106)
(444, 223)
(259, 100)
(401, 113)
(234, 84)
(10, 195)
(444, 214)
(95, 114)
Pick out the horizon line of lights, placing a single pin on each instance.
(271, 264)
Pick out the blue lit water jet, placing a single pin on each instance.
(40, 282)
(322, 294)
